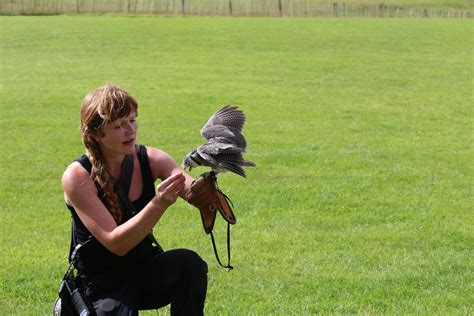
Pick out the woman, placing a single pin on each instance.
(122, 271)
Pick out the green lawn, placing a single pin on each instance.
(361, 130)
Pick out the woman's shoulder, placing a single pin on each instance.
(80, 166)
(156, 154)
(75, 176)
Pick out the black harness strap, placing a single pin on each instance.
(122, 188)
(72, 257)
(71, 244)
(126, 174)
(228, 266)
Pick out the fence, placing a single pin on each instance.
(296, 8)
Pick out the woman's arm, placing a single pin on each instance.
(163, 166)
(81, 193)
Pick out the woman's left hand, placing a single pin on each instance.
(168, 191)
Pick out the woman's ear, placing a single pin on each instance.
(95, 135)
(89, 140)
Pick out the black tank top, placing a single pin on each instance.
(99, 267)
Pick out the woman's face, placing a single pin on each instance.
(118, 137)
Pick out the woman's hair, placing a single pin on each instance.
(101, 106)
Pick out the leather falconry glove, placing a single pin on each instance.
(208, 198)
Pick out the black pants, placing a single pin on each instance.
(177, 277)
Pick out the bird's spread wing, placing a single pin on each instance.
(229, 137)
(208, 158)
(218, 130)
(215, 149)
(229, 116)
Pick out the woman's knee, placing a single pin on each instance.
(193, 261)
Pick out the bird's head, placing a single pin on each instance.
(189, 162)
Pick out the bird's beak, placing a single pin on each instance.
(186, 166)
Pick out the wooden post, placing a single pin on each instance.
(183, 12)
(280, 8)
(230, 7)
(334, 9)
(151, 7)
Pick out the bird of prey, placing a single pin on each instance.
(225, 143)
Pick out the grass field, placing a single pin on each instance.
(361, 130)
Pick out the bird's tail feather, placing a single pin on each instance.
(235, 159)
(247, 163)
(233, 168)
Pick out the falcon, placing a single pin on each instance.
(225, 143)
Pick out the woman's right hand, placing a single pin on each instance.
(168, 191)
